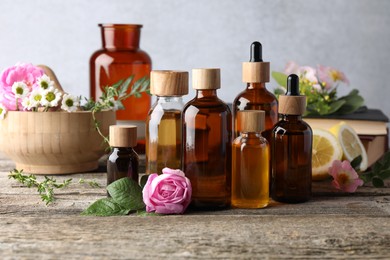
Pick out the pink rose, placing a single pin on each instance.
(21, 72)
(168, 193)
(344, 176)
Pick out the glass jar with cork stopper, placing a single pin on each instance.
(123, 160)
(291, 148)
(256, 97)
(207, 142)
(163, 124)
(250, 162)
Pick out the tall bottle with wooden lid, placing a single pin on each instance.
(250, 162)
(119, 58)
(207, 142)
(256, 96)
(163, 124)
(291, 148)
(123, 160)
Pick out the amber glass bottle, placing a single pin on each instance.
(163, 124)
(123, 160)
(207, 142)
(256, 97)
(250, 162)
(291, 148)
(120, 58)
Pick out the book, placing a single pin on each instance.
(371, 125)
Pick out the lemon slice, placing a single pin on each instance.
(350, 143)
(326, 149)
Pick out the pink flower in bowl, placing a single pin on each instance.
(168, 193)
(21, 72)
(344, 176)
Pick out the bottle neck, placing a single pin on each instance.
(204, 93)
(121, 36)
(250, 134)
(167, 99)
(256, 85)
(291, 118)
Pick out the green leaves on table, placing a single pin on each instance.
(379, 172)
(45, 188)
(126, 196)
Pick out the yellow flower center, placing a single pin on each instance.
(50, 96)
(69, 102)
(343, 178)
(335, 75)
(44, 85)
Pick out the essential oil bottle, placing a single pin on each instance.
(291, 148)
(207, 141)
(163, 124)
(123, 160)
(250, 162)
(256, 97)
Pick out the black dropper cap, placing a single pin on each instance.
(292, 85)
(256, 52)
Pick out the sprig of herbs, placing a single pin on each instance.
(379, 172)
(113, 96)
(93, 183)
(45, 188)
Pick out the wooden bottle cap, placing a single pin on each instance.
(292, 105)
(168, 83)
(123, 135)
(255, 72)
(251, 120)
(206, 79)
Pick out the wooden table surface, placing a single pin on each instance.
(331, 225)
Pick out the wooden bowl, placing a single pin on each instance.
(54, 142)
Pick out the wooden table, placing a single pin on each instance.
(331, 225)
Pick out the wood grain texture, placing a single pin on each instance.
(255, 72)
(206, 79)
(331, 225)
(54, 142)
(168, 83)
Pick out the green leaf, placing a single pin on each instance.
(377, 182)
(105, 207)
(367, 176)
(335, 106)
(356, 162)
(144, 179)
(280, 78)
(353, 101)
(127, 193)
(377, 168)
(384, 174)
(125, 86)
(385, 161)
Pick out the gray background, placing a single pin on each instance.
(352, 36)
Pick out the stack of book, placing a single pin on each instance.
(369, 124)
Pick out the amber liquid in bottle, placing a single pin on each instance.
(250, 171)
(163, 146)
(291, 160)
(120, 58)
(207, 149)
(257, 97)
(122, 162)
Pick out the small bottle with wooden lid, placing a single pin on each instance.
(207, 131)
(250, 162)
(255, 74)
(123, 160)
(291, 148)
(163, 124)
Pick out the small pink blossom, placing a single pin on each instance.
(329, 77)
(21, 72)
(344, 176)
(291, 68)
(304, 72)
(168, 193)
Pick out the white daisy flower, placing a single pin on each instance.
(50, 97)
(36, 98)
(20, 89)
(26, 103)
(3, 111)
(45, 83)
(70, 103)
